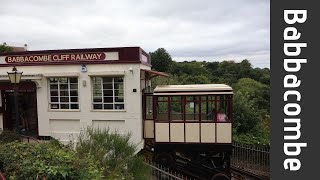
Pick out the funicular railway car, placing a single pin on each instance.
(190, 125)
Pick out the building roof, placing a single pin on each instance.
(193, 89)
(18, 49)
(155, 73)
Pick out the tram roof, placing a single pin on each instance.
(193, 89)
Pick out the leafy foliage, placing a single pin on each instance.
(161, 59)
(8, 136)
(5, 48)
(45, 161)
(114, 152)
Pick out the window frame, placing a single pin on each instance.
(197, 100)
(114, 102)
(49, 96)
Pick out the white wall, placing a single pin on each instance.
(1, 114)
(63, 123)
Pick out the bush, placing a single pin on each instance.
(115, 153)
(45, 161)
(7, 136)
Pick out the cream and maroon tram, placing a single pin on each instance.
(190, 122)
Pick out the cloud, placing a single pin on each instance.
(190, 29)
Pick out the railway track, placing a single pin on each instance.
(193, 172)
(240, 173)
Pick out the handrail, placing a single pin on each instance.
(29, 137)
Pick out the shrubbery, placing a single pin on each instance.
(115, 153)
(8, 136)
(45, 161)
(97, 154)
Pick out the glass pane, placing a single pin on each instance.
(74, 99)
(118, 92)
(192, 111)
(107, 79)
(74, 106)
(63, 80)
(64, 99)
(108, 106)
(64, 106)
(74, 93)
(176, 98)
(64, 87)
(64, 93)
(108, 99)
(53, 80)
(54, 99)
(118, 79)
(97, 106)
(162, 98)
(192, 117)
(108, 93)
(222, 110)
(53, 93)
(97, 99)
(54, 106)
(73, 86)
(107, 86)
(97, 92)
(192, 98)
(149, 107)
(211, 97)
(54, 86)
(162, 111)
(96, 80)
(118, 85)
(208, 110)
(119, 99)
(176, 110)
(119, 106)
(73, 80)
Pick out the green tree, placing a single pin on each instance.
(5, 48)
(251, 111)
(161, 60)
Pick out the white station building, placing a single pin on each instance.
(63, 91)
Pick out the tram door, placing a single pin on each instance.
(148, 116)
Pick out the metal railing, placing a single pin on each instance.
(254, 158)
(162, 173)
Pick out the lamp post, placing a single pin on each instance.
(15, 77)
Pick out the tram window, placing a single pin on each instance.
(208, 109)
(176, 108)
(149, 107)
(192, 111)
(163, 98)
(192, 98)
(222, 106)
(162, 111)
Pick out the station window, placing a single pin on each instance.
(63, 93)
(107, 93)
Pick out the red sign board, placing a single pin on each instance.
(56, 57)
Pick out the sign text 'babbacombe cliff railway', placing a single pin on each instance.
(55, 57)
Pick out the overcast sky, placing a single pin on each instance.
(211, 30)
